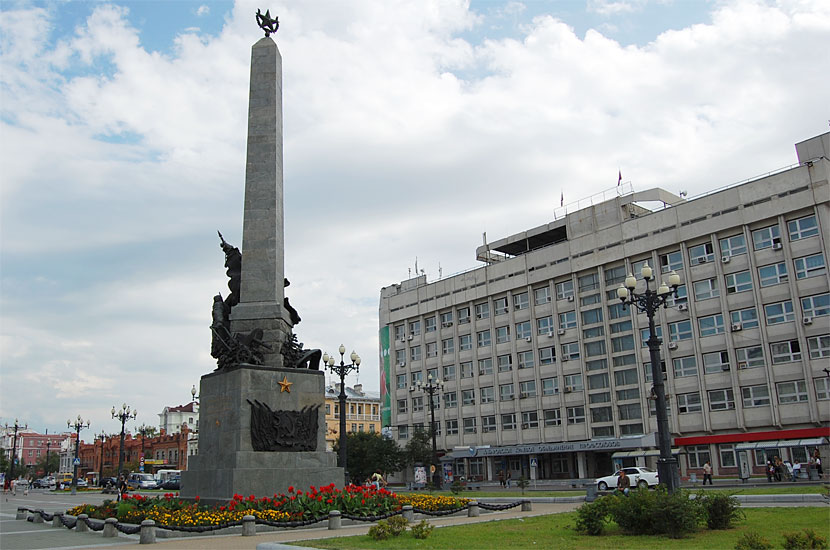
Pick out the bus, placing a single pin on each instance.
(164, 475)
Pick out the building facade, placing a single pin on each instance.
(546, 374)
(171, 419)
(31, 446)
(363, 414)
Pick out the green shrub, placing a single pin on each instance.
(804, 540)
(397, 525)
(379, 531)
(523, 483)
(591, 517)
(422, 530)
(719, 510)
(753, 541)
(633, 513)
(656, 512)
(456, 486)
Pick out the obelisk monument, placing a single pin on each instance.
(262, 423)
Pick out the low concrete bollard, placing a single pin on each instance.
(38, 518)
(148, 532)
(408, 514)
(109, 528)
(248, 526)
(22, 513)
(80, 525)
(473, 510)
(56, 520)
(334, 519)
(527, 506)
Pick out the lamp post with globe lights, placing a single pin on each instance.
(101, 437)
(649, 302)
(431, 388)
(77, 425)
(123, 415)
(13, 458)
(342, 370)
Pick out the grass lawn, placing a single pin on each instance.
(800, 490)
(554, 531)
(506, 493)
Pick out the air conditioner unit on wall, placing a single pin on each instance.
(742, 364)
(736, 327)
(725, 259)
(569, 389)
(701, 260)
(550, 335)
(560, 332)
(777, 246)
(411, 336)
(672, 345)
(528, 339)
(682, 307)
(570, 298)
(401, 363)
(807, 320)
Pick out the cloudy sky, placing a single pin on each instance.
(411, 127)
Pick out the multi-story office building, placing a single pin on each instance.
(363, 414)
(547, 374)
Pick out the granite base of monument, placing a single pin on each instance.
(285, 408)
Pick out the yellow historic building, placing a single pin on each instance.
(362, 414)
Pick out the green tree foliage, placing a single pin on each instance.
(19, 470)
(52, 467)
(419, 448)
(367, 452)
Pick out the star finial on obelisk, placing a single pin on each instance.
(267, 24)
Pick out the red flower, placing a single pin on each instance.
(291, 489)
(196, 498)
(330, 501)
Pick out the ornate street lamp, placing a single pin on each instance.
(648, 302)
(13, 458)
(144, 430)
(101, 437)
(123, 415)
(342, 370)
(431, 388)
(78, 425)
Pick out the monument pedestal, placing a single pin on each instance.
(228, 464)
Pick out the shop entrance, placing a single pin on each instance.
(602, 465)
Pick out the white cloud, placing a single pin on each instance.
(203, 10)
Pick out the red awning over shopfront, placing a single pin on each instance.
(741, 437)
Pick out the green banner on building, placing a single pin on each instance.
(385, 396)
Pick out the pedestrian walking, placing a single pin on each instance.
(817, 459)
(508, 478)
(501, 478)
(707, 473)
(770, 471)
(122, 487)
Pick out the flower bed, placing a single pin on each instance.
(297, 505)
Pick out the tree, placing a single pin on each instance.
(52, 467)
(19, 469)
(367, 452)
(419, 447)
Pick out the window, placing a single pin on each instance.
(546, 356)
(482, 312)
(780, 312)
(698, 455)
(755, 396)
(541, 295)
(727, 455)
(468, 397)
(603, 431)
(526, 360)
(715, 362)
(623, 326)
(400, 332)
(625, 360)
(746, 318)
(415, 328)
(596, 364)
(550, 386)
(631, 429)
(400, 357)
(750, 357)
(502, 335)
(465, 342)
(681, 330)
(485, 366)
(733, 246)
(618, 311)
(773, 274)
(615, 275)
(592, 316)
(429, 324)
(766, 237)
(553, 417)
(505, 363)
(401, 406)
(432, 349)
(673, 261)
(721, 400)
(521, 301)
(625, 377)
(570, 351)
(567, 320)
(592, 349)
(467, 369)
(685, 366)
(544, 325)
(706, 289)
(574, 382)
(802, 228)
(446, 319)
(469, 425)
(527, 389)
(450, 400)
(488, 424)
(487, 394)
(622, 343)
(506, 392)
(483, 338)
(593, 299)
(792, 392)
(601, 414)
(452, 427)
(415, 353)
(523, 330)
(447, 346)
(449, 372)
(785, 352)
(809, 266)
(588, 282)
(403, 431)
(681, 298)
(417, 377)
(463, 315)
(701, 253)
(530, 419)
(631, 411)
(500, 305)
(401, 382)
(819, 347)
(637, 268)
(625, 394)
(822, 388)
(417, 404)
(645, 334)
(576, 415)
(598, 381)
(688, 403)
(564, 290)
(738, 282)
(816, 306)
(710, 325)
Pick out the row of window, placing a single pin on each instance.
(698, 455)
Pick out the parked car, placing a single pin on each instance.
(44, 482)
(640, 477)
(108, 482)
(141, 481)
(82, 482)
(174, 483)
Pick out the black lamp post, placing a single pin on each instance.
(431, 388)
(342, 370)
(123, 415)
(101, 437)
(78, 425)
(144, 430)
(48, 445)
(648, 302)
(13, 458)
